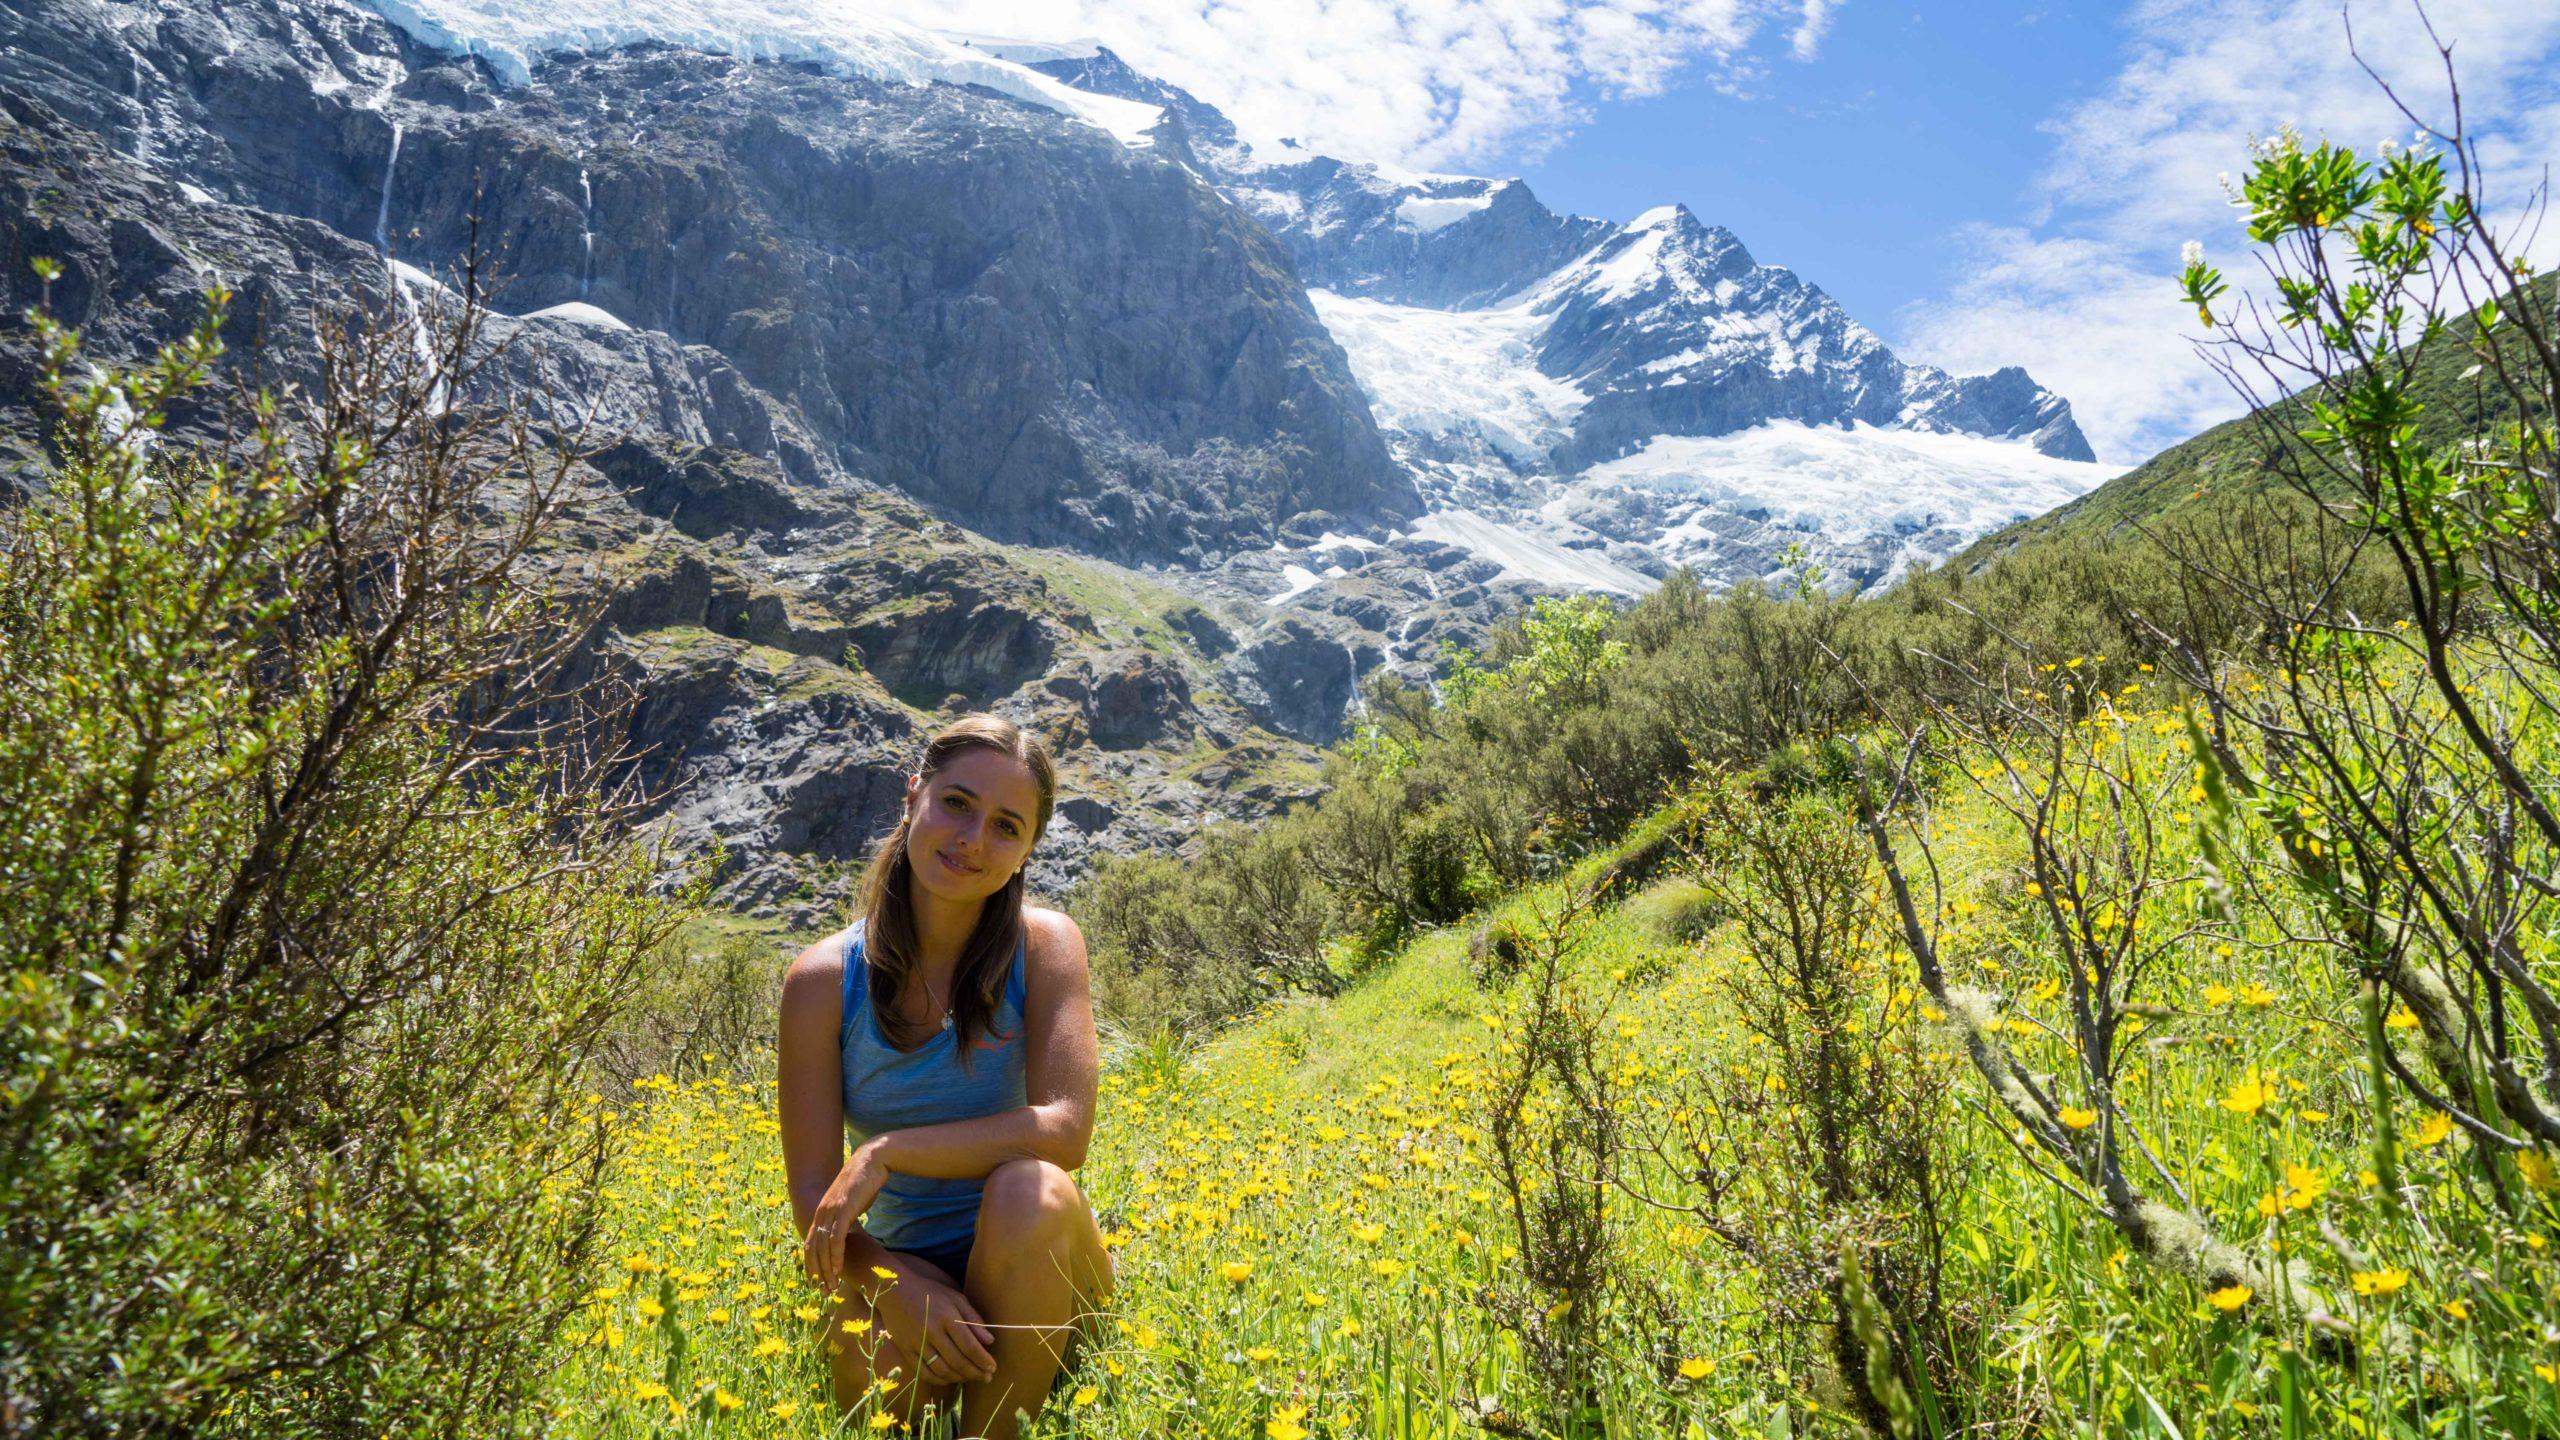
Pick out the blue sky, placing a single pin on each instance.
(1856, 167)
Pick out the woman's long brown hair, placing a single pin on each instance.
(888, 906)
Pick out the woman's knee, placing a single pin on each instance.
(1028, 1194)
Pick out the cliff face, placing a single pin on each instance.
(1020, 321)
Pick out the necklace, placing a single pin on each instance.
(928, 995)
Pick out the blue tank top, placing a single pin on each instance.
(890, 1089)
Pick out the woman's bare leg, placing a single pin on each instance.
(1038, 1264)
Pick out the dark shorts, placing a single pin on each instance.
(952, 1257)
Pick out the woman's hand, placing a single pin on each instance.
(839, 1210)
(933, 1325)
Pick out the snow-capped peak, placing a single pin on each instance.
(513, 36)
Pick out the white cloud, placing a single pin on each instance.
(1415, 82)
(1810, 27)
(2082, 293)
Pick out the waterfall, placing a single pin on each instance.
(420, 344)
(382, 212)
(1404, 635)
(142, 108)
(670, 326)
(1359, 703)
(586, 234)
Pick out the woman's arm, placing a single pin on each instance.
(809, 1075)
(1063, 1073)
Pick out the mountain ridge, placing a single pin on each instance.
(1591, 343)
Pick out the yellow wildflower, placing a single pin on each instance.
(2249, 1096)
(2432, 1130)
(1697, 1367)
(2378, 1282)
(2229, 1298)
(2078, 1119)
(2537, 1169)
(2303, 1186)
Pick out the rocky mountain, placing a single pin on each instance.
(1033, 327)
(923, 374)
(1540, 373)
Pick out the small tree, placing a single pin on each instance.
(1820, 1162)
(2403, 772)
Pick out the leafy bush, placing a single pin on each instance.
(316, 909)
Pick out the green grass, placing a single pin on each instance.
(1127, 605)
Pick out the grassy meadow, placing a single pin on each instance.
(1315, 1237)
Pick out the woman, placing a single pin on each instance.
(949, 1030)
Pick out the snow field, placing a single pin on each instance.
(1856, 483)
(514, 36)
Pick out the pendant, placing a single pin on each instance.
(946, 1019)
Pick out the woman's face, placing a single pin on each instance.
(969, 826)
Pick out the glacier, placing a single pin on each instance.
(1454, 373)
(513, 36)
(1852, 483)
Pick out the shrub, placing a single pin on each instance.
(316, 910)
(707, 1005)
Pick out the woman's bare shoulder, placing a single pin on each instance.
(817, 973)
(1056, 922)
(1055, 944)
